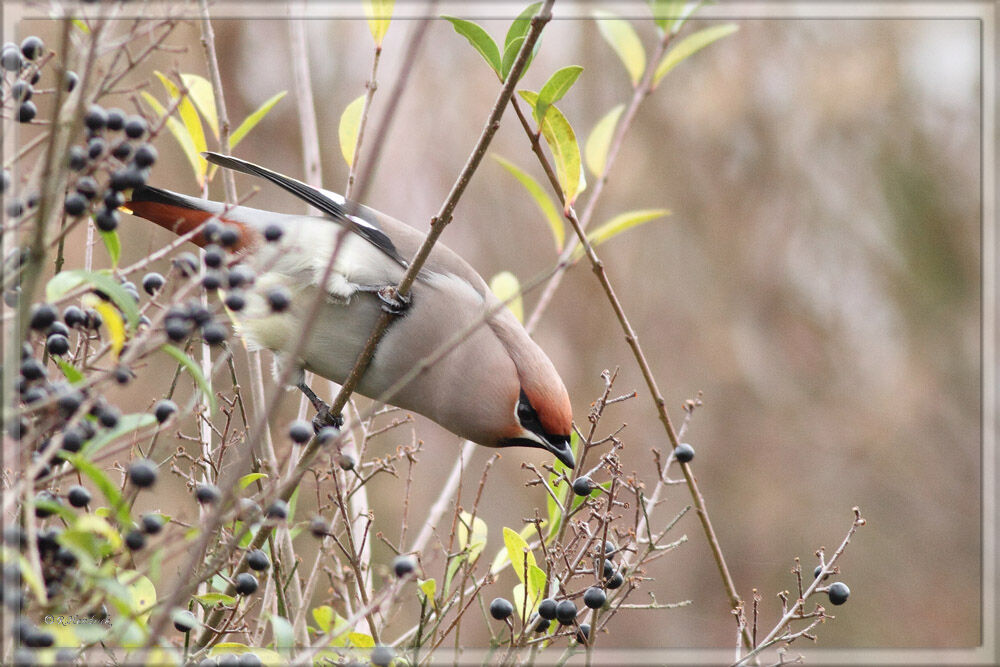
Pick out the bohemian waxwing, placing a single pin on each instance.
(496, 388)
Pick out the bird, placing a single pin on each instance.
(497, 387)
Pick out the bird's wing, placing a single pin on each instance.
(330, 203)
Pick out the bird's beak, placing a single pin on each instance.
(559, 446)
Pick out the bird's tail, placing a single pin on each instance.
(179, 213)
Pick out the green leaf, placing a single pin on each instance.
(194, 370)
(81, 26)
(689, 46)
(667, 12)
(620, 34)
(126, 424)
(105, 486)
(480, 40)
(689, 9)
(247, 480)
(561, 139)
(429, 588)
(623, 221)
(536, 584)
(555, 88)
(595, 151)
(203, 96)
(113, 244)
(509, 56)
(323, 617)
(71, 372)
(350, 122)
(192, 125)
(518, 552)
(506, 286)
(65, 281)
(379, 12)
(520, 26)
(284, 635)
(251, 121)
(211, 600)
(91, 537)
(542, 199)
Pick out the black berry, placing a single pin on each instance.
(107, 220)
(70, 79)
(501, 609)
(57, 344)
(214, 333)
(684, 452)
(75, 205)
(164, 409)
(583, 634)
(235, 301)
(32, 47)
(594, 597)
(151, 524)
(278, 298)
(135, 540)
(273, 232)
(566, 612)
(184, 621)
(78, 496)
(207, 494)
(42, 316)
(77, 158)
(382, 656)
(135, 127)
(214, 256)
(403, 566)
(257, 560)
(145, 155)
(27, 111)
(109, 416)
(616, 581)
(142, 473)
(229, 236)
(547, 609)
(21, 91)
(838, 592)
(152, 282)
(582, 486)
(246, 584)
(277, 510)
(96, 118)
(300, 431)
(318, 527)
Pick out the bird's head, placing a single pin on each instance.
(543, 419)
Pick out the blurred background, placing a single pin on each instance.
(818, 281)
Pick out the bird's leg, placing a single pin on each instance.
(323, 416)
(392, 302)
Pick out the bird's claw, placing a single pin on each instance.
(325, 418)
(392, 302)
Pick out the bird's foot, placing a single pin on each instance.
(392, 302)
(324, 418)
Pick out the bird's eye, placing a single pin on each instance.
(525, 412)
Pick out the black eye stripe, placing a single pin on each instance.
(527, 415)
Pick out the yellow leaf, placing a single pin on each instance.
(595, 151)
(689, 46)
(112, 321)
(506, 286)
(542, 199)
(620, 34)
(350, 122)
(379, 12)
(203, 95)
(192, 125)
